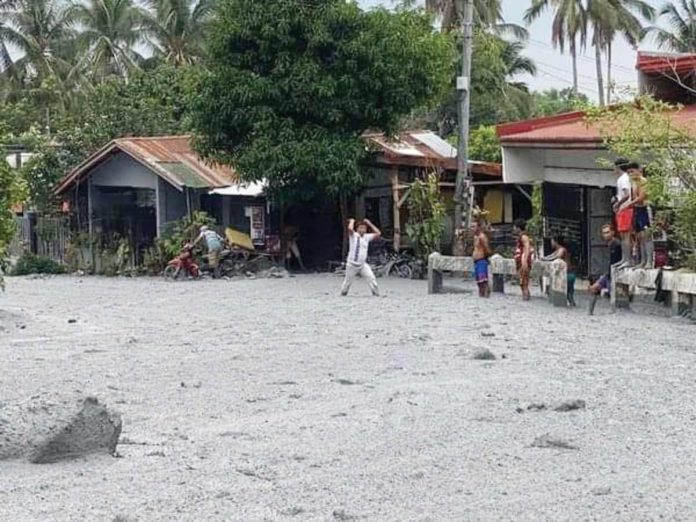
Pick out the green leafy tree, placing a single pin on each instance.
(426, 215)
(643, 131)
(681, 18)
(293, 84)
(487, 14)
(42, 32)
(147, 104)
(484, 144)
(496, 95)
(11, 193)
(177, 28)
(554, 101)
(110, 31)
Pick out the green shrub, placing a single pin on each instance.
(32, 264)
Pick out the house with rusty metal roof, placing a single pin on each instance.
(134, 188)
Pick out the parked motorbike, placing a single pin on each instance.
(182, 265)
(404, 265)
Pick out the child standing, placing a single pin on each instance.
(356, 264)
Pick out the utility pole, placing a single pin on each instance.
(463, 195)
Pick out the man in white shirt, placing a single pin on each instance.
(356, 264)
(623, 208)
(214, 243)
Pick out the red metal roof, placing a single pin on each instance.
(424, 149)
(572, 128)
(666, 63)
(170, 157)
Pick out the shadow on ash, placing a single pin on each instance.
(48, 429)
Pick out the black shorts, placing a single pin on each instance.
(641, 219)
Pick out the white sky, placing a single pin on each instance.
(555, 69)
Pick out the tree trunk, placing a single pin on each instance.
(574, 54)
(609, 85)
(600, 75)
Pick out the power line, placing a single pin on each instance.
(581, 56)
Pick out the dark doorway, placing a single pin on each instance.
(125, 213)
(564, 212)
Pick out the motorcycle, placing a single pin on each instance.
(183, 264)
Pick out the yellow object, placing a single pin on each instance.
(493, 204)
(240, 239)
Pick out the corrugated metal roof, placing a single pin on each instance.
(426, 149)
(572, 128)
(651, 62)
(170, 157)
(425, 145)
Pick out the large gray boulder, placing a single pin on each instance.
(47, 428)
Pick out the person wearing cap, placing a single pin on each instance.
(213, 243)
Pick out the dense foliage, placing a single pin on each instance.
(32, 264)
(293, 84)
(149, 104)
(426, 214)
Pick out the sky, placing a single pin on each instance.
(554, 68)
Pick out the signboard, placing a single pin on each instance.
(258, 225)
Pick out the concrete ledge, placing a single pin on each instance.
(681, 286)
(499, 267)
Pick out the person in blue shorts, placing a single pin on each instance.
(482, 252)
(603, 284)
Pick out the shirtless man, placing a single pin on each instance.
(482, 252)
(356, 264)
(524, 255)
(641, 215)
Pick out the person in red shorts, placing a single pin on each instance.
(623, 208)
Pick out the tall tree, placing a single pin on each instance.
(570, 23)
(487, 13)
(42, 31)
(293, 85)
(109, 33)
(177, 28)
(610, 18)
(680, 15)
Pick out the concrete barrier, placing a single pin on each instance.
(680, 285)
(499, 267)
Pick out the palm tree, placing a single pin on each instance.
(487, 13)
(176, 28)
(42, 32)
(681, 16)
(609, 18)
(109, 32)
(569, 24)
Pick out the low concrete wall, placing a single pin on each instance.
(680, 285)
(498, 268)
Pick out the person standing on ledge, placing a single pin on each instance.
(623, 208)
(359, 241)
